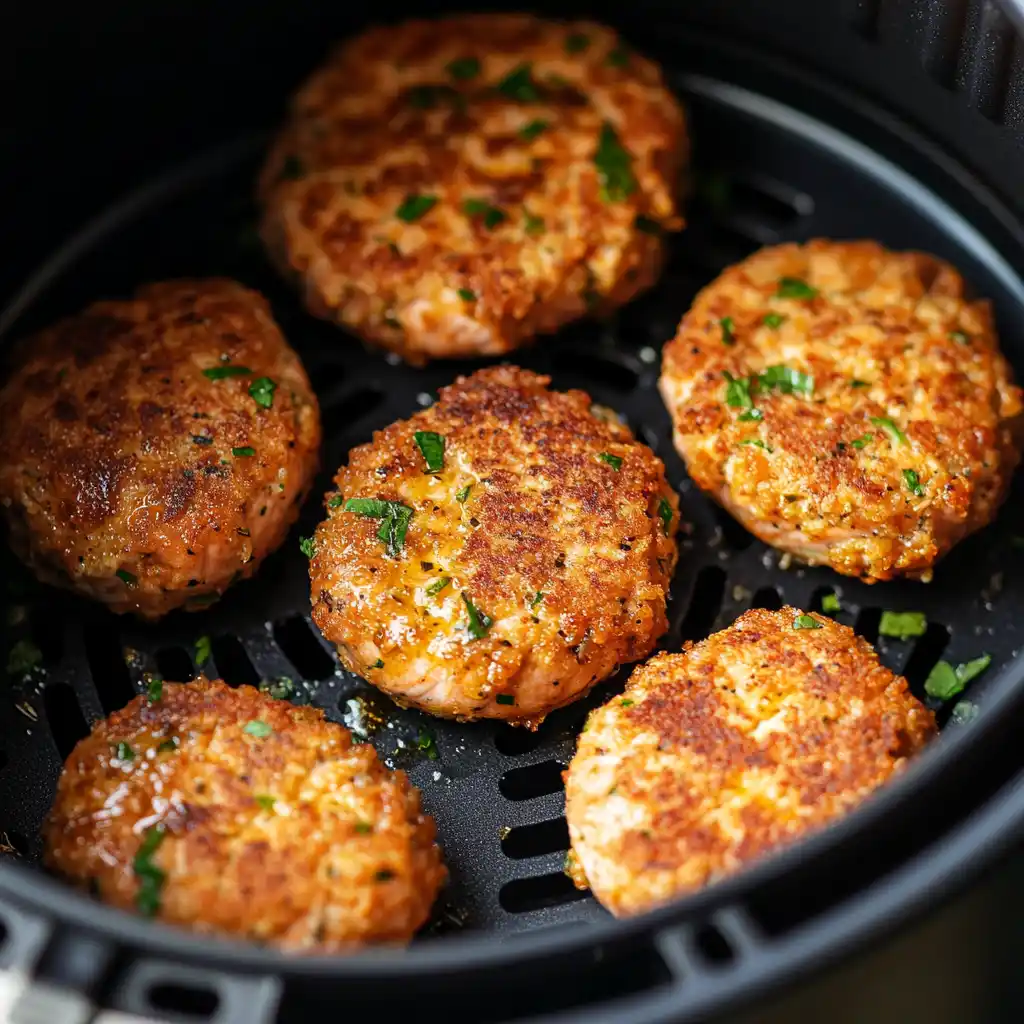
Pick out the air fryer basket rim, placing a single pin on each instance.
(26, 887)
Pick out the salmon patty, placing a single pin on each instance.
(498, 554)
(453, 188)
(235, 814)
(154, 450)
(847, 404)
(741, 744)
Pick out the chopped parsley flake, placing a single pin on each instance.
(860, 442)
(964, 711)
(530, 131)
(856, 383)
(426, 743)
(615, 461)
(531, 224)
(437, 586)
(913, 482)
(665, 513)
(945, 681)
(154, 689)
(895, 434)
(245, 452)
(492, 215)
(751, 416)
(127, 577)
(265, 800)
(479, 622)
(737, 392)
(363, 828)
(614, 167)
(257, 728)
(384, 875)
(467, 294)
(519, 85)
(576, 42)
(335, 501)
(415, 206)
(464, 68)
(773, 320)
(307, 545)
(226, 370)
(618, 58)
(786, 380)
(463, 493)
(961, 337)
(280, 689)
(728, 330)
(758, 443)
(903, 625)
(795, 288)
(431, 446)
(393, 515)
(536, 599)
(167, 745)
(204, 650)
(125, 752)
(262, 391)
(505, 698)
(151, 878)
(22, 657)
(806, 622)
(427, 97)
(379, 663)
(830, 604)
(648, 225)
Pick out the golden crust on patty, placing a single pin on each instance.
(276, 826)
(547, 521)
(905, 437)
(134, 467)
(740, 744)
(515, 114)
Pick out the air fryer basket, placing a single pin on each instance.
(781, 152)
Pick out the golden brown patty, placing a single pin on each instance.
(847, 404)
(232, 813)
(738, 745)
(506, 583)
(154, 450)
(455, 187)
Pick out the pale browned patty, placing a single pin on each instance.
(847, 404)
(741, 744)
(531, 563)
(154, 450)
(453, 188)
(232, 813)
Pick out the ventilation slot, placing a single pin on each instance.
(532, 781)
(174, 665)
(296, 638)
(733, 533)
(767, 597)
(986, 59)
(705, 604)
(184, 1000)
(867, 624)
(233, 664)
(512, 742)
(763, 210)
(924, 656)
(64, 716)
(346, 412)
(522, 895)
(713, 946)
(45, 637)
(106, 664)
(536, 840)
(589, 368)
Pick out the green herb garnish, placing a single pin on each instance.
(492, 215)
(737, 392)
(618, 58)
(280, 689)
(758, 443)
(125, 752)
(830, 604)
(895, 434)
(363, 828)
(415, 206)
(614, 461)
(171, 743)
(154, 689)
(379, 663)
(576, 42)
(437, 586)
(505, 698)
(945, 681)
(665, 514)
(795, 288)
(151, 878)
(427, 97)
(127, 577)
(773, 320)
(467, 294)
(614, 167)
(530, 131)
(265, 800)
(786, 380)
(855, 383)
(913, 482)
(431, 445)
(903, 625)
(426, 744)
(860, 442)
(383, 875)
(479, 622)
(964, 711)
(335, 501)
(728, 330)
(262, 391)
(226, 370)
(961, 337)
(464, 68)
(750, 416)
(22, 657)
(257, 728)
(245, 452)
(806, 622)
(463, 493)
(204, 650)
(531, 224)
(393, 515)
(519, 85)
(536, 599)
(307, 545)
(648, 225)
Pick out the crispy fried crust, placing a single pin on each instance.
(568, 555)
(116, 449)
(298, 838)
(888, 336)
(740, 744)
(389, 116)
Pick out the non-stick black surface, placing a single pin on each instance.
(763, 174)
